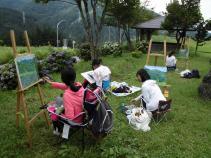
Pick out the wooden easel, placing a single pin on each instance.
(156, 55)
(21, 104)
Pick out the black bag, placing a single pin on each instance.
(195, 73)
(102, 122)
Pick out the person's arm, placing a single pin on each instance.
(58, 85)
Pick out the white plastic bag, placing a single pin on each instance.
(184, 72)
(139, 119)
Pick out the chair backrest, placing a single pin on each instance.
(164, 106)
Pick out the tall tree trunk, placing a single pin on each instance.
(178, 38)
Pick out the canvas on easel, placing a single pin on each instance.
(27, 72)
(26, 68)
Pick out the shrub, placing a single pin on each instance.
(136, 54)
(55, 62)
(142, 46)
(111, 48)
(107, 49)
(8, 76)
(85, 51)
(117, 50)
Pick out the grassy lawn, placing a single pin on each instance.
(185, 134)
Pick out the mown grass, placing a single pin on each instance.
(185, 134)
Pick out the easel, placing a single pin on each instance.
(156, 55)
(21, 104)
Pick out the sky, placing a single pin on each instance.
(160, 6)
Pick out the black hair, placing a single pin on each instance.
(143, 74)
(172, 53)
(96, 62)
(68, 76)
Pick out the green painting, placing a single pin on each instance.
(26, 66)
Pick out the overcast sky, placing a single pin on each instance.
(160, 6)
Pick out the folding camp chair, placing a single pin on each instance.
(163, 108)
(69, 124)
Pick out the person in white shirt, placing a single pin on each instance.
(151, 93)
(102, 74)
(171, 61)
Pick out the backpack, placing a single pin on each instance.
(102, 122)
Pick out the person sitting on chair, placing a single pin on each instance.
(171, 61)
(151, 93)
(101, 75)
(73, 94)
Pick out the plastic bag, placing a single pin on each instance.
(139, 119)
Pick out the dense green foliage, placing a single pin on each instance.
(85, 51)
(127, 13)
(142, 46)
(111, 48)
(185, 134)
(182, 16)
(201, 34)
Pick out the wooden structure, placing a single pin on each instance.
(21, 100)
(144, 30)
(156, 54)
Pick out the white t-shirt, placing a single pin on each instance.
(100, 74)
(151, 94)
(171, 61)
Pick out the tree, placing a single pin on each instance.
(128, 13)
(208, 26)
(92, 14)
(201, 34)
(182, 16)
